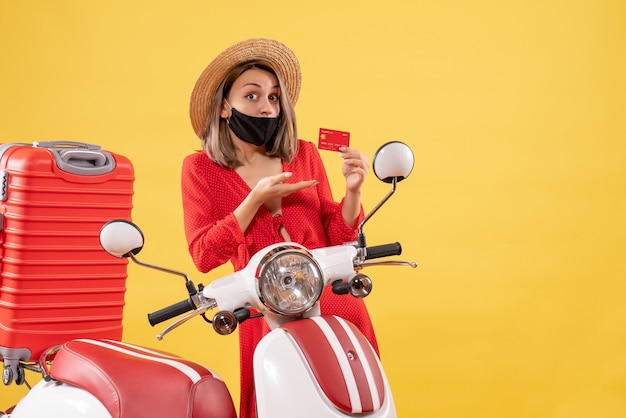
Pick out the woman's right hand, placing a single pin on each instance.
(268, 191)
(273, 187)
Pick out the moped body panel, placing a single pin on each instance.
(59, 400)
(329, 372)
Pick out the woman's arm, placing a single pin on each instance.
(212, 231)
(340, 219)
(355, 168)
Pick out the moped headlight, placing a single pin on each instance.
(290, 281)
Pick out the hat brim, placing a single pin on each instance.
(280, 57)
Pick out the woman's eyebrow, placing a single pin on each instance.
(277, 86)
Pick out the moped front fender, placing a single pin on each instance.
(320, 367)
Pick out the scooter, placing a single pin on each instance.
(308, 365)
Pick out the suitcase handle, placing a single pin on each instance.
(65, 144)
(79, 157)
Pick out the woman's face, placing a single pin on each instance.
(254, 93)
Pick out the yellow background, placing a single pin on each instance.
(515, 209)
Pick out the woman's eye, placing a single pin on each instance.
(251, 96)
(274, 97)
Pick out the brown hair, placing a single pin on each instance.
(217, 141)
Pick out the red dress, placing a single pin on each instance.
(310, 216)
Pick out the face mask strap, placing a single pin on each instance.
(231, 111)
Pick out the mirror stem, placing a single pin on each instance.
(191, 287)
(362, 242)
(152, 266)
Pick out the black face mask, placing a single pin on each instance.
(256, 131)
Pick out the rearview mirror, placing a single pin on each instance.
(393, 160)
(121, 238)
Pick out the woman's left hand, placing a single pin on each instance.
(354, 169)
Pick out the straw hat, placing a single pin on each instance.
(281, 58)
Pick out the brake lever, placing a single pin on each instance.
(209, 304)
(412, 264)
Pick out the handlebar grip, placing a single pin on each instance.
(384, 250)
(171, 311)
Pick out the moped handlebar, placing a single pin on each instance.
(171, 311)
(384, 250)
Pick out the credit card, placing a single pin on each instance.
(332, 140)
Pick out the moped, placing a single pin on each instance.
(308, 365)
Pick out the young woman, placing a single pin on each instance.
(255, 183)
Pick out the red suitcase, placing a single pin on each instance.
(56, 282)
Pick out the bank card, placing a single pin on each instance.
(332, 140)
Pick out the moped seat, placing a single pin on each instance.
(133, 381)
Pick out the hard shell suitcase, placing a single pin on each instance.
(56, 282)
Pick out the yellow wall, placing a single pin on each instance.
(516, 209)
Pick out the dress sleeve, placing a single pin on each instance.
(212, 238)
(337, 230)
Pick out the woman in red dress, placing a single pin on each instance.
(255, 183)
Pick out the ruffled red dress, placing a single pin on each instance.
(210, 194)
